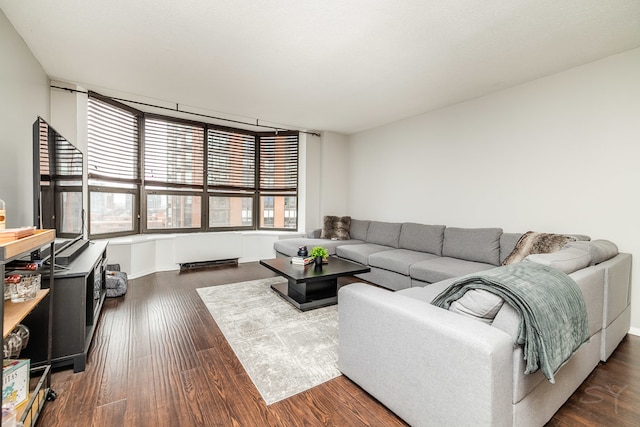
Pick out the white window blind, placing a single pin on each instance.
(112, 142)
(174, 153)
(231, 160)
(279, 162)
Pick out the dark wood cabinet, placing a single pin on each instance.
(77, 302)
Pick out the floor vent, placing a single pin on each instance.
(201, 265)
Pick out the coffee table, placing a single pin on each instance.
(308, 286)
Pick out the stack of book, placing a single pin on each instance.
(299, 260)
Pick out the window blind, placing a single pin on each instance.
(279, 162)
(45, 174)
(174, 153)
(231, 160)
(112, 137)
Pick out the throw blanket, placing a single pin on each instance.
(553, 316)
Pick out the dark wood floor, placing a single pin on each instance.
(159, 359)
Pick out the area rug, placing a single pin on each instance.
(284, 351)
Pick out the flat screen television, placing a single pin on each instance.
(57, 185)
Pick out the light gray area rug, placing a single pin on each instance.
(284, 351)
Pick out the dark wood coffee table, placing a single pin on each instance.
(309, 286)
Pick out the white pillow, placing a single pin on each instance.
(566, 260)
(479, 304)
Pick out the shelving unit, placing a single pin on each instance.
(11, 314)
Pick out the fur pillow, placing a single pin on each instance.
(536, 243)
(336, 227)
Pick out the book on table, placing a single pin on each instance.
(298, 260)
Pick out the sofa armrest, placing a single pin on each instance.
(426, 364)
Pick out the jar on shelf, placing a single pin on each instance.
(3, 215)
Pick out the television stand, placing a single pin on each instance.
(71, 252)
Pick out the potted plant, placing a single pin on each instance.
(319, 254)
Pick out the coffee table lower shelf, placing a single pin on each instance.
(309, 295)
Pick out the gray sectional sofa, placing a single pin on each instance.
(404, 255)
(433, 366)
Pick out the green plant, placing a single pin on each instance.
(319, 251)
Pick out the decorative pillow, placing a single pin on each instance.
(479, 304)
(600, 250)
(537, 243)
(336, 227)
(566, 260)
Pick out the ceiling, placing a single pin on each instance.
(336, 65)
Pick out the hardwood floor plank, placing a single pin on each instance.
(159, 359)
(140, 408)
(113, 384)
(111, 414)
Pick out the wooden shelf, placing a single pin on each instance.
(26, 244)
(15, 312)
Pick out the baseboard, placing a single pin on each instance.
(634, 331)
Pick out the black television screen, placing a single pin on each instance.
(57, 181)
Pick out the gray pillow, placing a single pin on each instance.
(566, 260)
(600, 250)
(336, 227)
(479, 304)
(537, 243)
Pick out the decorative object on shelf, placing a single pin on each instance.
(15, 381)
(320, 255)
(15, 342)
(302, 251)
(3, 215)
(11, 234)
(21, 287)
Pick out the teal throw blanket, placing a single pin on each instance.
(553, 315)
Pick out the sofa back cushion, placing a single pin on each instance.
(473, 244)
(384, 233)
(422, 238)
(599, 250)
(508, 242)
(359, 229)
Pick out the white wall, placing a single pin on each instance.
(335, 171)
(560, 154)
(24, 95)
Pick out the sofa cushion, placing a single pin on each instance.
(289, 247)
(478, 304)
(441, 268)
(384, 233)
(360, 253)
(600, 250)
(473, 244)
(421, 237)
(533, 242)
(359, 229)
(398, 260)
(566, 260)
(508, 242)
(336, 227)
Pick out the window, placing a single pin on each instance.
(279, 180)
(173, 162)
(231, 167)
(113, 172)
(159, 174)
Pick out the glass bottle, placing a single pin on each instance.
(3, 215)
